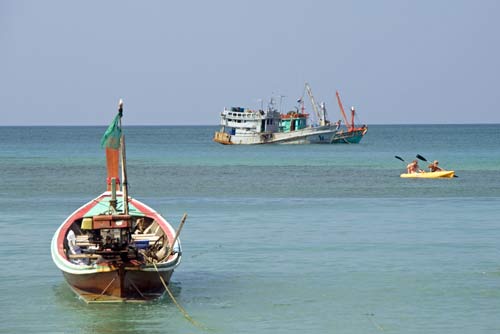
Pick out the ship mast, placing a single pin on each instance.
(349, 126)
(321, 118)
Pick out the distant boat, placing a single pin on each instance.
(348, 134)
(116, 248)
(240, 126)
(446, 174)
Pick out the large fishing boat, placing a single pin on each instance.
(348, 133)
(247, 126)
(116, 248)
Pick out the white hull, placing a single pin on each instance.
(310, 135)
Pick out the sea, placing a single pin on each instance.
(278, 239)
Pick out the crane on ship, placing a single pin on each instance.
(320, 113)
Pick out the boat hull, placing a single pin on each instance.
(348, 137)
(118, 285)
(430, 175)
(311, 135)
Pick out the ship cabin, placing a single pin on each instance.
(293, 121)
(246, 125)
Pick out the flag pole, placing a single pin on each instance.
(111, 142)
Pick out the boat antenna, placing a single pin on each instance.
(281, 103)
(261, 103)
(270, 105)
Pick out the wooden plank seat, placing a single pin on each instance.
(149, 229)
(152, 238)
(83, 240)
(84, 256)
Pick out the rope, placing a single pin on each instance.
(181, 309)
(136, 288)
(106, 288)
(371, 316)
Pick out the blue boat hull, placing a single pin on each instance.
(348, 137)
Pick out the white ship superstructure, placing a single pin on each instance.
(247, 126)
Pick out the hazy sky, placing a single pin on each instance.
(181, 62)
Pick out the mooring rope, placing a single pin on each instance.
(105, 289)
(371, 316)
(181, 309)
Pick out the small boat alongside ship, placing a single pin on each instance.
(240, 126)
(349, 133)
(115, 248)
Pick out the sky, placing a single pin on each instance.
(181, 62)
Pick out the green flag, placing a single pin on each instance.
(111, 137)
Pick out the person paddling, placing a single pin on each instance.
(413, 167)
(433, 167)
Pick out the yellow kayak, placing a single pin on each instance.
(431, 175)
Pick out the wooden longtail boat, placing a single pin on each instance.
(115, 248)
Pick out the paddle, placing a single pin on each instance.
(421, 158)
(424, 159)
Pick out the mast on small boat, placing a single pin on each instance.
(114, 142)
(123, 160)
(111, 141)
(349, 126)
(124, 176)
(352, 118)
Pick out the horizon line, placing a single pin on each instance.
(185, 125)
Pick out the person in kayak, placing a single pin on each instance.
(413, 167)
(433, 167)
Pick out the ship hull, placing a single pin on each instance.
(311, 135)
(348, 137)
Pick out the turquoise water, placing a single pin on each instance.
(279, 238)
